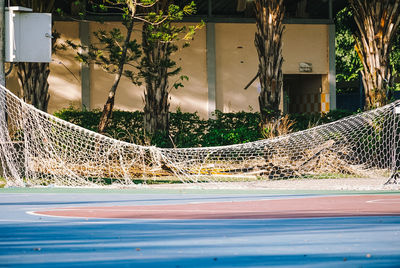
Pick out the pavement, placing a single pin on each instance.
(28, 239)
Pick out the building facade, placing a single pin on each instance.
(220, 62)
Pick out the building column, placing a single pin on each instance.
(211, 68)
(332, 68)
(84, 36)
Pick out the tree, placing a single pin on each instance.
(377, 23)
(268, 42)
(116, 51)
(395, 57)
(156, 67)
(348, 64)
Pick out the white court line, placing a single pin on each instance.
(14, 194)
(91, 220)
(33, 213)
(24, 220)
(148, 210)
(385, 201)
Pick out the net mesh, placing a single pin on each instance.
(40, 149)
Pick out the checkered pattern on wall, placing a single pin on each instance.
(310, 103)
(325, 102)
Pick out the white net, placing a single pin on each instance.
(38, 149)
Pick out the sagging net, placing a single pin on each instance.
(38, 149)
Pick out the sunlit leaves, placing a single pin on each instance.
(348, 63)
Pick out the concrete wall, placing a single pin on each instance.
(128, 96)
(305, 43)
(65, 75)
(64, 79)
(236, 64)
(192, 97)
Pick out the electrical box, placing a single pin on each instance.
(27, 35)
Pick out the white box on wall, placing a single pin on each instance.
(27, 35)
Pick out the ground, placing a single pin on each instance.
(39, 228)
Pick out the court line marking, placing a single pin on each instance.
(92, 220)
(185, 211)
(3, 220)
(385, 201)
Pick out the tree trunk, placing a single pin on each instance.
(108, 107)
(35, 87)
(156, 109)
(33, 75)
(2, 46)
(377, 22)
(268, 42)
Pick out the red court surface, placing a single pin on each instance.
(307, 207)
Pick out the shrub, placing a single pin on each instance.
(188, 129)
(277, 127)
(126, 126)
(232, 128)
(305, 121)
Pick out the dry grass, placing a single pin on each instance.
(3, 182)
(277, 127)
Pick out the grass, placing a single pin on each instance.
(3, 182)
(110, 181)
(48, 181)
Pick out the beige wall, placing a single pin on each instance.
(236, 64)
(65, 76)
(64, 79)
(192, 97)
(128, 96)
(305, 43)
(237, 60)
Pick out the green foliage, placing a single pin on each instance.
(109, 54)
(305, 121)
(395, 58)
(107, 51)
(395, 55)
(160, 39)
(3, 182)
(348, 64)
(126, 126)
(335, 115)
(188, 129)
(232, 128)
(150, 63)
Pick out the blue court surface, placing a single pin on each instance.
(44, 241)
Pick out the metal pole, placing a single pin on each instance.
(2, 43)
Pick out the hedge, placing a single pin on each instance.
(188, 129)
